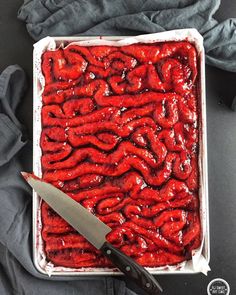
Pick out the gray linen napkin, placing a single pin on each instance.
(132, 17)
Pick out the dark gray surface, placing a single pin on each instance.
(16, 47)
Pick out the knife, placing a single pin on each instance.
(94, 230)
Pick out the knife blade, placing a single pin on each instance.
(94, 230)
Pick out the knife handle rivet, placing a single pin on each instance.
(108, 252)
(127, 268)
(148, 285)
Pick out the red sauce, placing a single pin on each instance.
(120, 136)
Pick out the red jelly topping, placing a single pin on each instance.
(120, 136)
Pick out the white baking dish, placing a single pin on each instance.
(200, 260)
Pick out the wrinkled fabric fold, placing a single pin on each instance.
(105, 17)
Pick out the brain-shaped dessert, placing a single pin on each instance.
(120, 136)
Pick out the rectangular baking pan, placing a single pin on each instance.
(38, 251)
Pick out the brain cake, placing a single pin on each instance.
(120, 136)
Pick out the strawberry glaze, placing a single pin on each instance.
(120, 136)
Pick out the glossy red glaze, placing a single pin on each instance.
(120, 136)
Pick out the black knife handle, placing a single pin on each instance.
(133, 270)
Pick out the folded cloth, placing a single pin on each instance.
(132, 17)
(17, 272)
